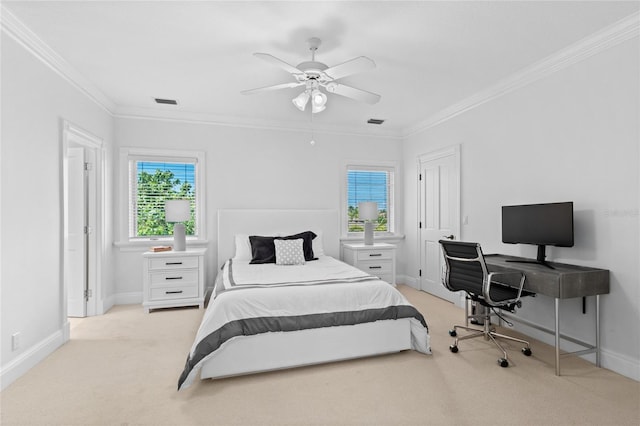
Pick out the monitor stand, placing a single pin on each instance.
(539, 258)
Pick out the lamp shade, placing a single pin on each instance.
(177, 210)
(368, 210)
(318, 101)
(301, 100)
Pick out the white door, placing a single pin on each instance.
(439, 215)
(77, 271)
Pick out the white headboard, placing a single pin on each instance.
(272, 222)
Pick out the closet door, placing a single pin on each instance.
(439, 215)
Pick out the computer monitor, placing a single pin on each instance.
(549, 224)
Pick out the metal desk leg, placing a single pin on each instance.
(597, 330)
(558, 337)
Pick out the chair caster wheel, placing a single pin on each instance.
(453, 348)
(453, 333)
(503, 362)
(526, 351)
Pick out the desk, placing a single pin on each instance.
(563, 282)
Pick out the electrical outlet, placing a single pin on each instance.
(15, 341)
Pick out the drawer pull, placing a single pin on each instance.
(173, 263)
(173, 278)
(173, 292)
(375, 267)
(375, 254)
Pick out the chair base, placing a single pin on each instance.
(488, 333)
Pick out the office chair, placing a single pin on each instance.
(465, 270)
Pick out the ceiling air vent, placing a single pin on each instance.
(375, 121)
(166, 101)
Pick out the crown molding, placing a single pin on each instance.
(619, 32)
(14, 28)
(18, 31)
(189, 117)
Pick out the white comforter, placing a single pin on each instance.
(253, 299)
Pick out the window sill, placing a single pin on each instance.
(388, 238)
(144, 245)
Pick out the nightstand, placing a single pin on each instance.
(378, 259)
(173, 278)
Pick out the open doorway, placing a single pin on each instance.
(82, 188)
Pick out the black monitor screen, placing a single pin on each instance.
(541, 224)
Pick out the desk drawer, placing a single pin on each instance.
(374, 254)
(176, 292)
(173, 278)
(177, 262)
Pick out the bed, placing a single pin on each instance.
(265, 316)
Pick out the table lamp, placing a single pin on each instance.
(178, 211)
(368, 212)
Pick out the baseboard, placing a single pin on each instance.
(407, 280)
(131, 298)
(621, 364)
(107, 303)
(31, 357)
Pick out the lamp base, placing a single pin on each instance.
(179, 238)
(368, 233)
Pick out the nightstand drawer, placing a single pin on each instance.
(177, 262)
(174, 278)
(176, 292)
(376, 267)
(374, 254)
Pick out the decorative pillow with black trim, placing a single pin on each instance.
(289, 252)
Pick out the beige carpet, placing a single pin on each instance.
(121, 369)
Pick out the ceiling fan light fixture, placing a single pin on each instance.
(301, 100)
(318, 101)
(315, 75)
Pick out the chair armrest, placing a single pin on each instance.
(512, 279)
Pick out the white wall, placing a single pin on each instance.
(35, 100)
(249, 168)
(572, 136)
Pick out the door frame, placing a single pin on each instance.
(453, 151)
(73, 135)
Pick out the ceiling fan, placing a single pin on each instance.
(314, 75)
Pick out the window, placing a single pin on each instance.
(154, 177)
(369, 183)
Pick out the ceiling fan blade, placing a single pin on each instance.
(278, 62)
(353, 93)
(353, 66)
(270, 88)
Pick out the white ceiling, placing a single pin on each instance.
(429, 54)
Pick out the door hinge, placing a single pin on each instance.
(420, 225)
(420, 176)
(87, 166)
(87, 230)
(87, 294)
(419, 272)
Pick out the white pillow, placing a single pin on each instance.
(243, 247)
(318, 248)
(289, 252)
